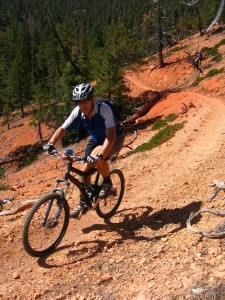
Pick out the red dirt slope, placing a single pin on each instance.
(145, 251)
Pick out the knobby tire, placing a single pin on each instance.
(108, 206)
(38, 239)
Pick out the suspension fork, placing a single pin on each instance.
(59, 202)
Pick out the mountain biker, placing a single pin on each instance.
(106, 135)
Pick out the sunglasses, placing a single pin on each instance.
(83, 102)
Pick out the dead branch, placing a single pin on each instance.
(134, 138)
(195, 59)
(185, 109)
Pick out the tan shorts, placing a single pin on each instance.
(91, 145)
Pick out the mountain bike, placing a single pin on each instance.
(47, 221)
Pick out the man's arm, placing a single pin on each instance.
(59, 133)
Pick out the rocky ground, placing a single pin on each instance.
(145, 251)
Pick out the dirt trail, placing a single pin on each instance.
(145, 251)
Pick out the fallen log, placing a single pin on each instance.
(152, 97)
(23, 206)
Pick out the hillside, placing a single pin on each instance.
(145, 251)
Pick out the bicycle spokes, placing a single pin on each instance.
(106, 207)
(45, 225)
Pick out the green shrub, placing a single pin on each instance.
(4, 187)
(158, 124)
(161, 137)
(222, 42)
(213, 72)
(175, 49)
(197, 80)
(170, 117)
(217, 58)
(214, 52)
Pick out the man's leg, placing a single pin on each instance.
(83, 207)
(103, 166)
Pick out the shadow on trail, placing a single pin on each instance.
(84, 250)
(131, 221)
(128, 224)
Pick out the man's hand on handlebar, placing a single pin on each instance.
(91, 159)
(48, 147)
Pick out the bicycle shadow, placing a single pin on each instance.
(82, 253)
(131, 221)
(127, 223)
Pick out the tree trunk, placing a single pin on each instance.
(159, 35)
(63, 47)
(38, 123)
(220, 10)
(21, 99)
(199, 21)
(40, 132)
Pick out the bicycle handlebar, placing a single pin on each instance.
(66, 156)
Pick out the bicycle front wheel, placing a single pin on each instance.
(45, 225)
(108, 206)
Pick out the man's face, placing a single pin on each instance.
(85, 106)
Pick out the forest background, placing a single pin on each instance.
(47, 47)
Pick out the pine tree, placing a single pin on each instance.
(19, 75)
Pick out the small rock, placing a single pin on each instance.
(16, 275)
(199, 255)
(106, 278)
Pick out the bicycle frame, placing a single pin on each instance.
(70, 178)
(82, 188)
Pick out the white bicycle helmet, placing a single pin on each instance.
(83, 91)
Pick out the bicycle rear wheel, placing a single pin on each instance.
(45, 225)
(108, 206)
